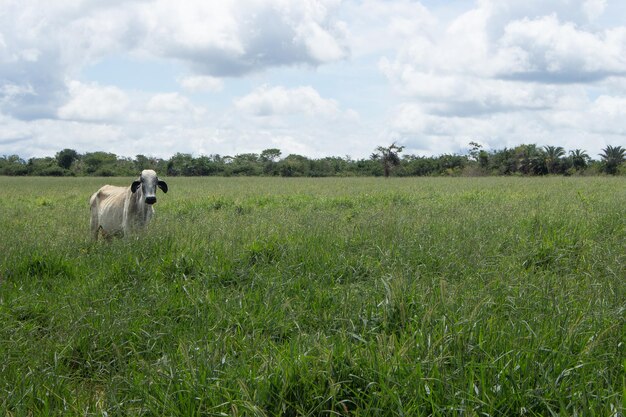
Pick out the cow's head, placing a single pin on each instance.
(148, 181)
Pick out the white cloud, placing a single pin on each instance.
(510, 72)
(500, 72)
(45, 137)
(578, 12)
(321, 45)
(377, 26)
(168, 109)
(43, 44)
(235, 37)
(270, 101)
(466, 94)
(594, 8)
(190, 26)
(541, 49)
(201, 83)
(590, 116)
(549, 48)
(9, 92)
(169, 102)
(91, 102)
(574, 122)
(299, 120)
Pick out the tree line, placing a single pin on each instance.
(523, 160)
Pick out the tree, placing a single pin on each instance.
(329, 166)
(294, 166)
(181, 164)
(552, 156)
(247, 164)
(503, 161)
(530, 159)
(475, 150)
(13, 165)
(270, 155)
(46, 166)
(66, 157)
(579, 158)
(450, 164)
(478, 155)
(143, 162)
(388, 157)
(419, 165)
(208, 165)
(100, 163)
(612, 158)
(269, 158)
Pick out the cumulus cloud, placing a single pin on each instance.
(377, 26)
(300, 120)
(541, 49)
(201, 83)
(169, 102)
(270, 101)
(91, 102)
(10, 91)
(45, 137)
(235, 37)
(168, 109)
(579, 12)
(594, 8)
(510, 72)
(433, 75)
(556, 52)
(574, 121)
(43, 44)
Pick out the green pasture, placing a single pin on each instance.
(317, 297)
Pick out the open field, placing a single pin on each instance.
(259, 296)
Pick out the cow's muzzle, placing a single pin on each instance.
(150, 200)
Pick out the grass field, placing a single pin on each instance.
(364, 297)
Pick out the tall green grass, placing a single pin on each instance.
(253, 296)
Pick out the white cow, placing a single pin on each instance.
(116, 211)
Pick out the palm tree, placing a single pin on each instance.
(388, 156)
(552, 155)
(530, 159)
(612, 158)
(579, 159)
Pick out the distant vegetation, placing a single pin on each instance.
(525, 160)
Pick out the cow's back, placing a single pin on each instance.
(107, 206)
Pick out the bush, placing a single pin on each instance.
(54, 172)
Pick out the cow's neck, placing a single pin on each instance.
(139, 205)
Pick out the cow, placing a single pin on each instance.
(117, 211)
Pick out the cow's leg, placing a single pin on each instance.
(95, 231)
(95, 227)
(108, 237)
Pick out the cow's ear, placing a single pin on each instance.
(135, 185)
(162, 185)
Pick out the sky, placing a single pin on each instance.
(311, 77)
